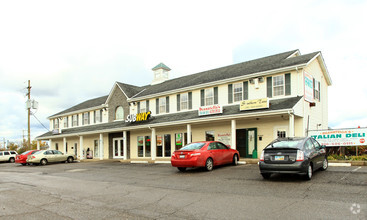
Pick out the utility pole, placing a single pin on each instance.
(29, 113)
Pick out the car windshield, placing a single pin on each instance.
(193, 146)
(25, 152)
(286, 144)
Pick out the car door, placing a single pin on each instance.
(311, 153)
(320, 153)
(59, 157)
(214, 153)
(226, 153)
(49, 155)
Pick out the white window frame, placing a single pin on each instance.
(119, 115)
(240, 93)
(56, 123)
(85, 118)
(143, 106)
(66, 122)
(184, 101)
(282, 86)
(317, 92)
(209, 96)
(75, 121)
(162, 105)
(98, 116)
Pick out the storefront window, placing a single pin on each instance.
(209, 135)
(96, 150)
(140, 146)
(147, 146)
(159, 146)
(167, 145)
(178, 141)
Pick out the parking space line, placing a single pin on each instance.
(356, 169)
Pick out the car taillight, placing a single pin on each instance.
(195, 154)
(262, 157)
(300, 155)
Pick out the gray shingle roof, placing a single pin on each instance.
(84, 105)
(278, 104)
(130, 90)
(253, 66)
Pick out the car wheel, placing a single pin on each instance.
(70, 159)
(11, 160)
(266, 175)
(182, 169)
(309, 172)
(209, 164)
(235, 160)
(325, 164)
(43, 162)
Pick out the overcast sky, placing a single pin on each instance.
(73, 51)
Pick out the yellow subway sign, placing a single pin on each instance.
(144, 116)
(254, 104)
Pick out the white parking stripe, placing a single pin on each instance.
(356, 169)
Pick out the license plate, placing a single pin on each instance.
(182, 156)
(279, 157)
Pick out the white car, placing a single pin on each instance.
(50, 156)
(8, 156)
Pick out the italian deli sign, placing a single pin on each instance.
(210, 110)
(343, 137)
(254, 104)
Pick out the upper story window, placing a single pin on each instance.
(209, 96)
(86, 118)
(66, 122)
(237, 92)
(316, 89)
(162, 105)
(143, 106)
(184, 101)
(98, 116)
(56, 123)
(75, 120)
(119, 113)
(278, 85)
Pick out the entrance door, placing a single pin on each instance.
(241, 137)
(246, 141)
(118, 148)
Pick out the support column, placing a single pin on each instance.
(153, 144)
(49, 144)
(38, 145)
(291, 125)
(233, 132)
(101, 146)
(188, 134)
(64, 144)
(125, 145)
(81, 147)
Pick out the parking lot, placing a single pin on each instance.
(113, 190)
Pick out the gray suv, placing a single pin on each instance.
(8, 156)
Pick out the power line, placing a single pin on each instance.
(40, 122)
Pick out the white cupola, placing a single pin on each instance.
(161, 73)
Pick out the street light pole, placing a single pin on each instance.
(29, 114)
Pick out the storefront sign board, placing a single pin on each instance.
(225, 138)
(254, 104)
(343, 137)
(308, 87)
(138, 117)
(210, 110)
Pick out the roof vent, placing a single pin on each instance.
(161, 73)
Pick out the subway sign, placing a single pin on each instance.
(343, 137)
(138, 117)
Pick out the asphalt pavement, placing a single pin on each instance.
(112, 190)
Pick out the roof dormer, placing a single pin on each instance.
(161, 73)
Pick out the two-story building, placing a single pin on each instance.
(244, 105)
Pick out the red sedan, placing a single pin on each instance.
(204, 154)
(22, 158)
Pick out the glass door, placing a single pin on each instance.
(118, 148)
(251, 141)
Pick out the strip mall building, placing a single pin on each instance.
(244, 105)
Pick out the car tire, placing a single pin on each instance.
(309, 172)
(11, 160)
(70, 159)
(209, 164)
(43, 162)
(23, 164)
(325, 164)
(235, 160)
(182, 169)
(266, 175)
